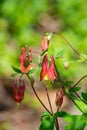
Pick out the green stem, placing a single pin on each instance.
(77, 95)
(48, 99)
(70, 45)
(57, 124)
(37, 95)
(59, 79)
(74, 103)
(78, 82)
(56, 120)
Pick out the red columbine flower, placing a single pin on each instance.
(48, 71)
(45, 43)
(25, 60)
(18, 90)
(59, 97)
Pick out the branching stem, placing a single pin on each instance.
(78, 82)
(37, 95)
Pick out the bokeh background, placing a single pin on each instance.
(23, 22)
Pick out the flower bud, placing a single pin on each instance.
(59, 97)
(45, 43)
(18, 90)
(66, 64)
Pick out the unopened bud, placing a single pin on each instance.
(18, 90)
(66, 64)
(59, 97)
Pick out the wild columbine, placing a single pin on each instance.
(59, 97)
(25, 60)
(18, 90)
(45, 43)
(48, 71)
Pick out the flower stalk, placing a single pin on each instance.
(37, 94)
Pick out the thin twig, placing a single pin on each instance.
(48, 99)
(75, 103)
(37, 95)
(78, 82)
(57, 120)
(70, 45)
(77, 94)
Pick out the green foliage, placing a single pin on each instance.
(75, 122)
(47, 122)
(60, 114)
(84, 96)
(44, 114)
(81, 105)
(16, 69)
(31, 71)
(75, 89)
(68, 83)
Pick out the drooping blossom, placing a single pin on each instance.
(45, 43)
(48, 71)
(18, 90)
(25, 60)
(59, 97)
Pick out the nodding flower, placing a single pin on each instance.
(25, 60)
(45, 43)
(48, 71)
(59, 97)
(18, 90)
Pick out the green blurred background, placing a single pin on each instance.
(25, 21)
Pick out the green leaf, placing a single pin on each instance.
(60, 53)
(47, 123)
(84, 96)
(84, 118)
(75, 89)
(73, 96)
(31, 71)
(60, 114)
(16, 69)
(75, 122)
(68, 83)
(45, 114)
(81, 105)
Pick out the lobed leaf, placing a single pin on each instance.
(16, 69)
(47, 122)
